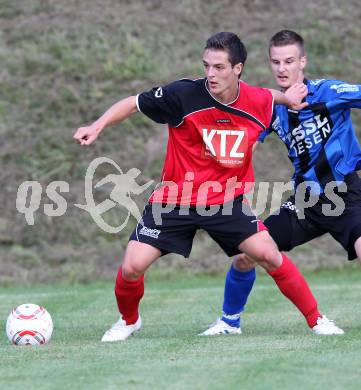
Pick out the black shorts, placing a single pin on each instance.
(229, 225)
(289, 231)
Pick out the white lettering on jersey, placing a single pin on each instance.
(309, 133)
(207, 139)
(238, 141)
(345, 88)
(226, 143)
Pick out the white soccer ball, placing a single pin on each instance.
(29, 324)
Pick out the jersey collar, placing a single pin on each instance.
(225, 104)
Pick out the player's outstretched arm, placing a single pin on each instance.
(116, 113)
(292, 97)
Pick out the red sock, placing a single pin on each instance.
(293, 285)
(128, 294)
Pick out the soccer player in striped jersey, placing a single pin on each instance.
(325, 154)
(213, 124)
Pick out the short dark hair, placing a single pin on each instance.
(231, 43)
(287, 37)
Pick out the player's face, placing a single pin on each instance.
(222, 77)
(287, 64)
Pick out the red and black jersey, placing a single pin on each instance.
(209, 152)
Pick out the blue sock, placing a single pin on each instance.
(238, 286)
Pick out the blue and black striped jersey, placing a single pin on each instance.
(320, 139)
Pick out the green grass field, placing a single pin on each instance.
(275, 350)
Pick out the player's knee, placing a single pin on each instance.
(243, 263)
(270, 258)
(131, 271)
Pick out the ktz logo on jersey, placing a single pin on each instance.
(227, 146)
(309, 133)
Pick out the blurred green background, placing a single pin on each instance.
(62, 63)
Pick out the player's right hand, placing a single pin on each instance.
(87, 135)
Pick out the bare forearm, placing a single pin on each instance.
(292, 97)
(279, 97)
(117, 113)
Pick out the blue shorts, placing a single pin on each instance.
(227, 224)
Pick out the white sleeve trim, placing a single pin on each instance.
(137, 102)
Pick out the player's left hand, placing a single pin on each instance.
(295, 95)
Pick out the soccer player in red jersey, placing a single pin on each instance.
(213, 125)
